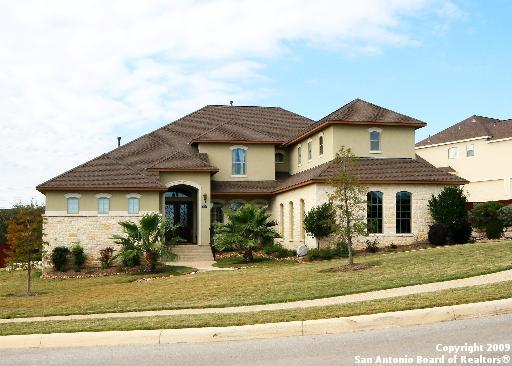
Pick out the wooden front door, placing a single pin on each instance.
(181, 213)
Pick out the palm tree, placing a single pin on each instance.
(150, 238)
(247, 228)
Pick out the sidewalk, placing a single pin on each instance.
(374, 295)
(260, 331)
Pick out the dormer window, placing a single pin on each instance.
(375, 135)
(239, 161)
(279, 157)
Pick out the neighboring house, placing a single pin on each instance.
(193, 169)
(478, 149)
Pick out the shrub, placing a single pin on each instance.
(342, 249)
(320, 221)
(59, 258)
(505, 215)
(277, 250)
(461, 233)
(323, 253)
(483, 213)
(106, 257)
(494, 229)
(438, 234)
(79, 257)
(130, 257)
(372, 246)
(393, 246)
(450, 208)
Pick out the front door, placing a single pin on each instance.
(181, 213)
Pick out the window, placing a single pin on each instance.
(103, 205)
(470, 150)
(279, 157)
(452, 153)
(374, 141)
(302, 213)
(239, 162)
(133, 205)
(290, 218)
(310, 153)
(403, 212)
(281, 219)
(73, 205)
(216, 213)
(299, 155)
(374, 212)
(236, 205)
(321, 145)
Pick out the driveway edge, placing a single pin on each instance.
(261, 331)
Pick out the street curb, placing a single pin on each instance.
(261, 331)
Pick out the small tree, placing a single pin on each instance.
(150, 238)
(348, 200)
(319, 222)
(450, 208)
(24, 235)
(247, 228)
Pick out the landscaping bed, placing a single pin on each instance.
(275, 281)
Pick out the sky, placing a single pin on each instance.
(74, 75)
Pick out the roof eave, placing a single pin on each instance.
(327, 123)
(198, 170)
(98, 188)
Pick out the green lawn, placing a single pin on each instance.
(259, 284)
(441, 298)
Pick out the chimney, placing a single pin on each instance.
(231, 102)
(118, 141)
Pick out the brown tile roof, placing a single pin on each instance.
(359, 112)
(368, 170)
(472, 127)
(168, 148)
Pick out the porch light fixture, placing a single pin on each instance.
(205, 196)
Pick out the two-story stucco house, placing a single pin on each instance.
(478, 149)
(222, 156)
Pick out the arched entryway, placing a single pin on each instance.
(181, 209)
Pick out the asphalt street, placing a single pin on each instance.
(484, 341)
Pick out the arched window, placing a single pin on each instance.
(321, 145)
(279, 157)
(239, 161)
(299, 155)
(281, 219)
(374, 212)
(103, 205)
(375, 140)
(403, 212)
(133, 205)
(216, 213)
(290, 205)
(302, 213)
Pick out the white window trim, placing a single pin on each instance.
(243, 148)
(310, 145)
(104, 195)
(321, 135)
(453, 148)
(379, 130)
(134, 195)
(468, 150)
(73, 195)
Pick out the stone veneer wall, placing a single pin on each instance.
(92, 232)
(317, 194)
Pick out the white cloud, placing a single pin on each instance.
(72, 73)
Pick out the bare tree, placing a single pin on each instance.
(348, 200)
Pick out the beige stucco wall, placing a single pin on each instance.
(316, 194)
(56, 202)
(202, 182)
(489, 170)
(260, 160)
(396, 142)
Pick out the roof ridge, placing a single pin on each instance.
(212, 129)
